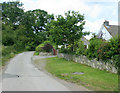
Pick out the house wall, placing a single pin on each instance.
(93, 63)
(85, 41)
(106, 35)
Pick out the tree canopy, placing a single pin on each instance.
(68, 29)
(31, 28)
(23, 29)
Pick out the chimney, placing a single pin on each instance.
(106, 23)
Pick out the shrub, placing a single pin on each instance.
(7, 53)
(44, 47)
(36, 53)
(110, 51)
(48, 47)
(6, 50)
(116, 59)
(79, 48)
(39, 48)
(30, 46)
(49, 42)
(93, 47)
(46, 42)
(104, 52)
(67, 50)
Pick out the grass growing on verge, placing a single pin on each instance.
(8, 52)
(93, 79)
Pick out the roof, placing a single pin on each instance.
(113, 30)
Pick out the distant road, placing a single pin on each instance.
(21, 75)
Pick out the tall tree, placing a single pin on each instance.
(11, 18)
(68, 29)
(12, 12)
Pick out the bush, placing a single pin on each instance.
(30, 46)
(110, 50)
(103, 51)
(39, 48)
(44, 47)
(36, 53)
(46, 42)
(67, 50)
(49, 42)
(95, 44)
(6, 50)
(116, 59)
(7, 53)
(48, 47)
(79, 48)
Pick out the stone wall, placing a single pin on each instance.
(93, 63)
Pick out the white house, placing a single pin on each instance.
(85, 42)
(107, 31)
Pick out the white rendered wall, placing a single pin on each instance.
(106, 35)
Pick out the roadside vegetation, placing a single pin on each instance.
(22, 30)
(46, 46)
(36, 30)
(7, 53)
(91, 78)
(28, 30)
(99, 49)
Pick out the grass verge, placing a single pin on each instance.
(8, 52)
(93, 79)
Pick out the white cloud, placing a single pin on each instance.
(61, 6)
(101, 0)
(95, 11)
(94, 26)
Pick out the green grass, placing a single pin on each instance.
(93, 79)
(8, 52)
(7, 57)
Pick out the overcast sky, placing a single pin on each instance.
(95, 11)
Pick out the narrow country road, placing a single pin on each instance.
(21, 75)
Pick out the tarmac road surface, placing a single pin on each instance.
(22, 75)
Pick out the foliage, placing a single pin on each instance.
(12, 13)
(105, 50)
(68, 29)
(66, 50)
(8, 37)
(23, 30)
(95, 44)
(36, 53)
(8, 52)
(30, 46)
(93, 79)
(47, 47)
(110, 50)
(79, 47)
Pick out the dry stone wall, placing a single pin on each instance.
(93, 63)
